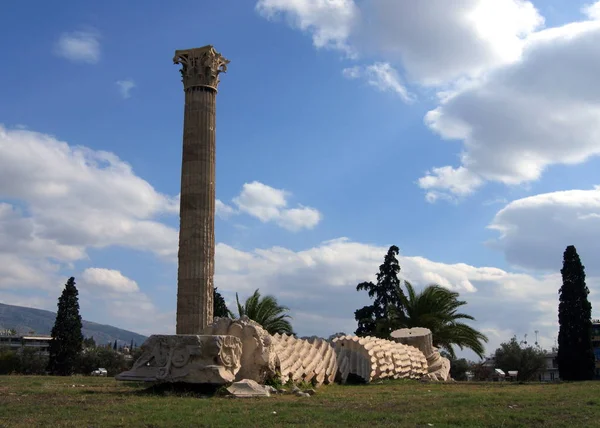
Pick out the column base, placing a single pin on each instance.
(187, 358)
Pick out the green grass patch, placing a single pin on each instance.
(99, 402)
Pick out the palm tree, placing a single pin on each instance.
(436, 308)
(267, 312)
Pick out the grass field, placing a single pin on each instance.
(97, 402)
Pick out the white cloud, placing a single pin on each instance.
(108, 279)
(329, 21)
(459, 182)
(77, 198)
(539, 111)
(534, 231)
(125, 87)
(382, 76)
(223, 210)
(436, 41)
(269, 204)
(79, 46)
(592, 10)
(519, 97)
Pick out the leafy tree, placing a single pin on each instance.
(9, 361)
(459, 369)
(67, 340)
(219, 307)
(94, 358)
(527, 360)
(32, 361)
(575, 352)
(375, 319)
(89, 342)
(267, 312)
(436, 308)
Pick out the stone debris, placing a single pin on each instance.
(248, 388)
(187, 358)
(310, 359)
(259, 359)
(302, 394)
(371, 358)
(438, 367)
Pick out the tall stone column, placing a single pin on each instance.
(200, 69)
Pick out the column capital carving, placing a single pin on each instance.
(200, 66)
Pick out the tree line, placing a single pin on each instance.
(395, 304)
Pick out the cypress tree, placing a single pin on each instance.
(374, 319)
(67, 340)
(575, 353)
(219, 307)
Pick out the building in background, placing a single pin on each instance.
(550, 371)
(596, 345)
(17, 342)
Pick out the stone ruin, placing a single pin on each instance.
(233, 350)
(220, 351)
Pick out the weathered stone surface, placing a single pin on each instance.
(247, 388)
(200, 69)
(259, 360)
(305, 360)
(371, 358)
(438, 367)
(187, 358)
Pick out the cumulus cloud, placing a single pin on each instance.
(109, 279)
(382, 76)
(269, 204)
(125, 87)
(77, 198)
(329, 21)
(523, 117)
(223, 210)
(79, 46)
(435, 41)
(459, 181)
(534, 231)
(520, 97)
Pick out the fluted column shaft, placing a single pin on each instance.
(200, 69)
(197, 213)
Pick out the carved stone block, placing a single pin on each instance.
(187, 358)
(259, 359)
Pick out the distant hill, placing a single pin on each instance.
(39, 321)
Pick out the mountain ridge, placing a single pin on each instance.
(40, 321)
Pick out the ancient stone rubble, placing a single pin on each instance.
(259, 359)
(438, 367)
(371, 358)
(310, 360)
(247, 388)
(187, 358)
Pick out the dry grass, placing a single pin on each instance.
(96, 402)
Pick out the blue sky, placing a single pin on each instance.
(342, 128)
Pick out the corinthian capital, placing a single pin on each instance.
(200, 66)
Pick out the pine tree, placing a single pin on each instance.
(575, 353)
(131, 346)
(115, 345)
(375, 319)
(67, 340)
(219, 307)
